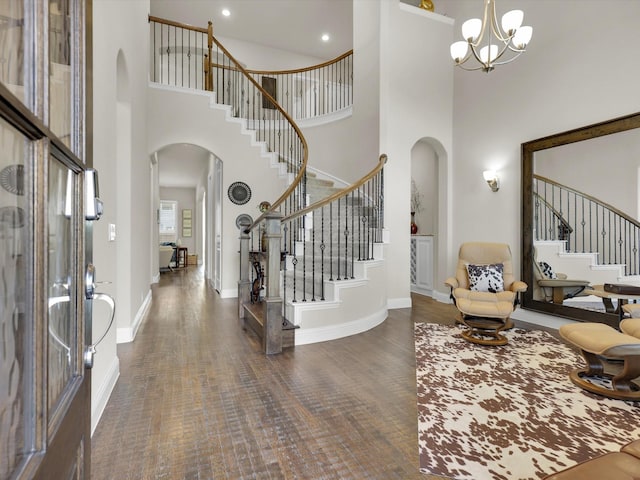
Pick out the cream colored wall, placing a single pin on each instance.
(120, 52)
(576, 71)
(416, 88)
(184, 117)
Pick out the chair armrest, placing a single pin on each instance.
(518, 286)
(451, 282)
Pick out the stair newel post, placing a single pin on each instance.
(208, 59)
(272, 330)
(244, 284)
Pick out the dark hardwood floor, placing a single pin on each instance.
(196, 398)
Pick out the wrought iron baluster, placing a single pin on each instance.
(322, 247)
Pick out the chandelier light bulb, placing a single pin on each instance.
(459, 50)
(511, 21)
(488, 53)
(471, 29)
(522, 37)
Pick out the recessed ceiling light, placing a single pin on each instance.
(325, 37)
(226, 12)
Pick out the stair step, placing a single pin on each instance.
(254, 319)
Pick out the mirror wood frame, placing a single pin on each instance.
(528, 151)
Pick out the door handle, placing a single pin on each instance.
(90, 351)
(91, 294)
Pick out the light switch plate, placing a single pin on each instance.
(112, 232)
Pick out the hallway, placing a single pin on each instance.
(197, 400)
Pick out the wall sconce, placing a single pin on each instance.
(492, 179)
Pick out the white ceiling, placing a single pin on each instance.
(293, 25)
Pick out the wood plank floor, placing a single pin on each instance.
(197, 400)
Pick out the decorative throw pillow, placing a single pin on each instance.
(486, 278)
(547, 271)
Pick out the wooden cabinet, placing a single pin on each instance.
(422, 264)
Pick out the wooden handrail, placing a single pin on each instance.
(283, 72)
(177, 24)
(293, 124)
(304, 69)
(590, 198)
(555, 212)
(342, 193)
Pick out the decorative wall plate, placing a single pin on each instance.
(12, 216)
(239, 193)
(12, 179)
(243, 219)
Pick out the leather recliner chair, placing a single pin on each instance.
(485, 308)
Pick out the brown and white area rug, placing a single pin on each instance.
(509, 412)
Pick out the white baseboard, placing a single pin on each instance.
(441, 297)
(155, 278)
(229, 293)
(332, 332)
(537, 318)
(104, 393)
(126, 335)
(393, 303)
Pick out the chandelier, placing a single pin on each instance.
(487, 43)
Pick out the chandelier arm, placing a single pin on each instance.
(517, 50)
(507, 61)
(477, 57)
(469, 69)
(494, 61)
(495, 27)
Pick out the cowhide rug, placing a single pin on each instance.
(509, 412)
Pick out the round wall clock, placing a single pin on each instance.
(239, 193)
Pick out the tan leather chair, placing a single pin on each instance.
(557, 289)
(485, 307)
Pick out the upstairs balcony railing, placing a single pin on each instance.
(585, 224)
(191, 57)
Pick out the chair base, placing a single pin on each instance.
(629, 391)
(479, 328)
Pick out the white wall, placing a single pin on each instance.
(186, 199)
(577, 71)
(415, 105)
(120, 154)
(182, 116)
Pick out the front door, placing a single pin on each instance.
(45, 388)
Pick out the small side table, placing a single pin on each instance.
(181, 257)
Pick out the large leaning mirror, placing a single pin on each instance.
(581, 211)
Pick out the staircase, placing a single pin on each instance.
(319, 245)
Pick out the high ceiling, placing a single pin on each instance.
(293, 25)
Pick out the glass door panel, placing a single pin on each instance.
(15, 330)
(12, 52)
(63, 327)
(60, 70)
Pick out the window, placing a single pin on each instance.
(168, 209)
